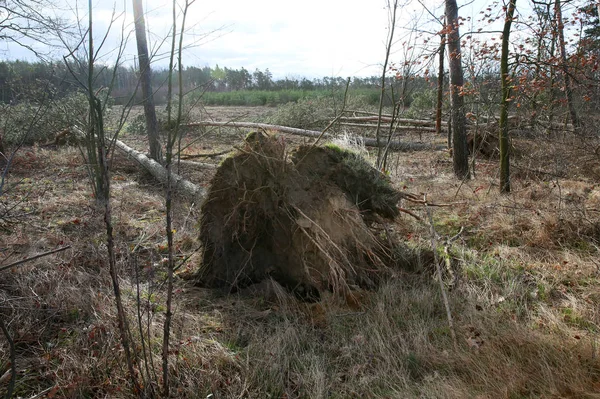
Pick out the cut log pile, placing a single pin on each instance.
(396, 145)
(369, 121)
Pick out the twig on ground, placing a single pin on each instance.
(20, 262)
(417, 200)
(410, 213)
(44, 392)
(210, 155)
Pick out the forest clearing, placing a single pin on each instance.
(523, 285)
(422, 222)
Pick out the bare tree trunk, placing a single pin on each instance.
(174, 133)
(103, 198)
(543, 17)
(505, 79)
(145, 82)
(392, 7)
(169, 210)
(552, 82)
(565, 68)
(459, 127)
(440, 83)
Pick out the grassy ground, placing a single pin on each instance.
(525, 294)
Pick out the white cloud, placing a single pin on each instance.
(313, 38)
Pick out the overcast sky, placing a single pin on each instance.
(310, 38)
(313, 38)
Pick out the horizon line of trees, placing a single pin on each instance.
(22, 80)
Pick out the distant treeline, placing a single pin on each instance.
(26, 81)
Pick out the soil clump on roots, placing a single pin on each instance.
(305, 219)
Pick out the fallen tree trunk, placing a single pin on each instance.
(413, 122)
(354, 112)
(160, 173)
(155, 169)
(209, 155)
(364, 119)
(394, 145)
(400, 128)
(197, 164)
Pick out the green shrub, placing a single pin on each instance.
(136, 125)
(309, 113)
(423, 104)
(251, 97)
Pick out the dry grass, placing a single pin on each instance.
(526, 304)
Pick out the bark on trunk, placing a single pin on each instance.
(504, 139)
(459, 128)
(565, 68)
(178, 183)
(440, 83)
(145, 82)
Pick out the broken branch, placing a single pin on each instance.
(20, 262)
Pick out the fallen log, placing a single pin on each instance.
(160, 173)
(197, 164)
(413, 122)
(557, 125)
(209, 155)
(400, 128)
(369, 142)
(354, 112)
(371, 118)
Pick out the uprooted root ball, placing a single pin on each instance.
(303, 221)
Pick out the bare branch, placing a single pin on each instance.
(22, 261)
